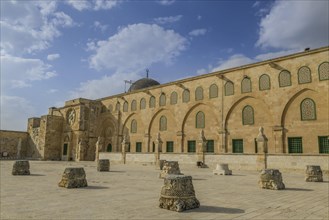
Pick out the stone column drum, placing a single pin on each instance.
(161, 164)
(73, 177)
(222, 169)
(103, 165)
(271, 179)
(178, 194)
(313, 173)
(170, 168)
(21, 167)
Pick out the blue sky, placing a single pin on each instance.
(53, 51)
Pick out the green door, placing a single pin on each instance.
(109, 148)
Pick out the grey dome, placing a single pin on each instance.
(143, 83)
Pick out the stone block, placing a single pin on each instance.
(170, 168)
(103, 165)
(313, 173)
(271, 179)
(178, 194)
(73, 177)
(21, 167)
(222, 169)
(161, 163)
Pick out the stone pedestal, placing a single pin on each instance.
(161, 164)
(313, 173)
(103, 165)
(73, 177)
(271, 179)
(222, 169)
(170, 168)
(178, 194)
(21, 167)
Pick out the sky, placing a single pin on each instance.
(54, 51)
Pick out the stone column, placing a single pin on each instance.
(99, 147)
(222, 141)
(202, 144)
(261, 149)
(158, 149)
(146, 142)
(124, 146)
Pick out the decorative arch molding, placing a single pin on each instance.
(125, 123)
(153, 117)
(188, 113)
(233, 107)
(291, 100)
(105, 123)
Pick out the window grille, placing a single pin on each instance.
(199, 94)
(213, 91)
(173, 98)
(191, 146)
(304, 75)
(264, 82)
(324, 144)
(324, 71)
(237, 145)
(170, 146)
(295, 145)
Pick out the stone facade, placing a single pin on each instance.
(287, 96)
(13, 144)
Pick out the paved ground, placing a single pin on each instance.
(132, 192)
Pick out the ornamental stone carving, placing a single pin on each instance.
(73, 177)
(178, 194)
(170, 168)
(222, 169)
(21, 167)
(271, 179)
(71, 117)
(313, 174)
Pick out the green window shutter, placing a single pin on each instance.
(170, 146)
(295, 145)
(191, 146)
(138, 146)
(210, 146)
(237, 145)
(324, 144)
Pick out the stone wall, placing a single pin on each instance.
(235, 161)
(53, 137)
(14, 143)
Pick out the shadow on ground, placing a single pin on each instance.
(215, 209)
(298, 189)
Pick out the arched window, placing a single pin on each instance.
(199, 93)
(264, 82)
(200, 120)
(324, 71)
(125, 106)
(163, 123)
(246, 85)
(304, 75)
(229, 88)
(284, 78)
(173, 98)
(152, 102)
(248, 115)
(133, 105)
(117, 107)
(110, 107)
(307, 110)
(213, 91)
(133, 128)
(143, 103)
(162, 100)
(186, 95)
(109, 148)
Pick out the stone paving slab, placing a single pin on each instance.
(132, 192)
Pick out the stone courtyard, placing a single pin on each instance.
(132, 191)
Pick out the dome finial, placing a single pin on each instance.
(147, 73)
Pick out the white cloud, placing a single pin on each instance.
(150, 44)
(14, 111)
(100, 26)
(166, 2)
(199, 17)
(198, 32)
(17, 72)
(170, 19)
(233, 61)
(50, 91)
(93, 5)
(30, 26)
(295, 25)
(52, 57)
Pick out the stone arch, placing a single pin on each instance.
(107, 129)
(233, 107)
(125, 123)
